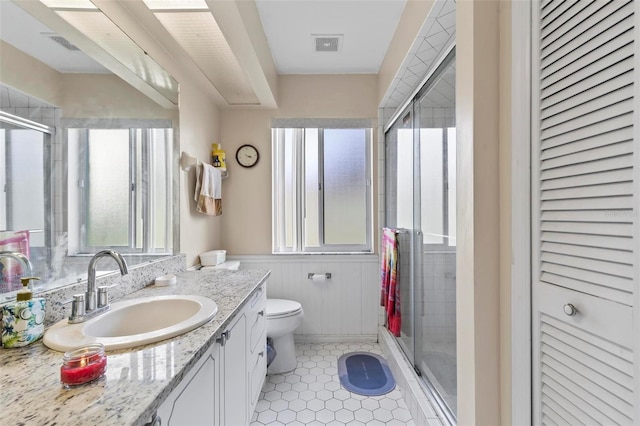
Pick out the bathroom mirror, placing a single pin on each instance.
(86, 159)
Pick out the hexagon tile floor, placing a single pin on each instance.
(312, 395)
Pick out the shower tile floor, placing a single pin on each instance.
(312, 394)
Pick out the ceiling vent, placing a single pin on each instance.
(61, 41)
(327, 42)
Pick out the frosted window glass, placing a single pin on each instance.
(289, 188)
(161, 187)
(139, 190)
(404, 186)
(108, 188)
(451, 141)
(312, 193)
(431, 185)
(27, 183)
(345, 186)
(321, 190)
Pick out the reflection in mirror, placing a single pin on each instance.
(85, 162)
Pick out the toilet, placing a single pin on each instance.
(283, 317)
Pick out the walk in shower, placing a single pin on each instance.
(420, 202)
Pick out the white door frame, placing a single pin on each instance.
(521, 138)
(636, 219)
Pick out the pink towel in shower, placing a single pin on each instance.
(390, 283)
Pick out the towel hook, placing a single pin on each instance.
(187, 161)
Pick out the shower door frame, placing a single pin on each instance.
(411, 107)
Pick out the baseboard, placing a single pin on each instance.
(423, 410)
(335, 338)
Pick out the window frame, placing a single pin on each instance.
(139, 146)
(298, 246)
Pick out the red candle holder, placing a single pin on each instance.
(83, 365)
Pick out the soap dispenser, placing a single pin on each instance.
(23, 320)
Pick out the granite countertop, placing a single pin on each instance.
(137, 380)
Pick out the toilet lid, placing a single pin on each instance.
(280, 307)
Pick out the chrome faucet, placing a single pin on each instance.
(94, 302)
(27, 267)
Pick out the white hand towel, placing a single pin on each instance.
(208, 194)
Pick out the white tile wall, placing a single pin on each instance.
(439, 302)
(423, 410)
(15, 102)
(437, 32)
(340, 308)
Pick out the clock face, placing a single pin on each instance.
(247, 156)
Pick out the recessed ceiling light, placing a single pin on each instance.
(176, 4)
(69, 4)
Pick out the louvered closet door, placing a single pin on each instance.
(584, 253)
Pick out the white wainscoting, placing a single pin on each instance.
(343, 308)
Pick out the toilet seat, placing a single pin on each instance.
(279, 308)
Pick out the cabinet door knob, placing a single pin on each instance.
(569, 309)
(261, 313)
(261, 353)
(222, 339)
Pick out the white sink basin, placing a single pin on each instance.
(134, 322)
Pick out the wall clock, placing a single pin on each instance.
(247, 156)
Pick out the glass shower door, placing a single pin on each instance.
(420, 197)
(435, 347)
(400, 215)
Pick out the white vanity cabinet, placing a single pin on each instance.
(196, 400)
(234, 386)
(256, 311)
(223, 387)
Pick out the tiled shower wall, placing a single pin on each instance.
(437, 32)
(439, 302)
(16, 103)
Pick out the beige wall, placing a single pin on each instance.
(483, 278)
(106, 96)
(505, 210)
(199, 128)
(78, 95)
(24, 73)
(247, 193)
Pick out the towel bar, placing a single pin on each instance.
(188, 161)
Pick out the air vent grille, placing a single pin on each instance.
(61, 41)
(327, 43)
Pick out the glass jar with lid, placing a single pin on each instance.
(83, 365)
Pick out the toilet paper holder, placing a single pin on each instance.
(312, 275)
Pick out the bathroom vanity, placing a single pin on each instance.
(202, 373)
(224, 385)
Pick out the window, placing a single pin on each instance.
(120, 190)
(322, 190)
(23, 181)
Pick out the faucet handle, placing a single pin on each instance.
(103, 295)
(77, 306)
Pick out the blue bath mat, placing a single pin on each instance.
(365, 373)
